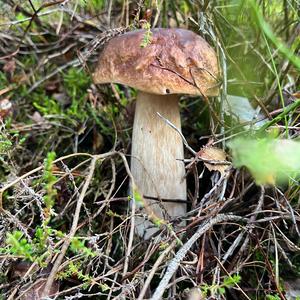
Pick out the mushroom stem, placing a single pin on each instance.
(156, 163)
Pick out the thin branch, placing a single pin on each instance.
(179, 132)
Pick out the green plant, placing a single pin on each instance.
(92, 5)
(75, 83)
(74, 270)
(219, 289)
(37, 250)
(273, 297)
(77, 246)
(49, 180)
(46, 105)
(5, 144)
(284, 49)
(18, 245)
(33, 251)
(147, 38)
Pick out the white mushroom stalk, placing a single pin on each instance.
(177, 61)
(157, 160)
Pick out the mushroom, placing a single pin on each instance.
(174, 62)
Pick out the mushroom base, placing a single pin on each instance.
(156, 162)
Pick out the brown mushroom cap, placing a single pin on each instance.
(177, 61)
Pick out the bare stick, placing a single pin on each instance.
(179, 132)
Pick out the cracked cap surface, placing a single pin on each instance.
(177, 61)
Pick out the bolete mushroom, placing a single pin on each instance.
(174, 62)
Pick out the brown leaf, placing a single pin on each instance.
(214, 159)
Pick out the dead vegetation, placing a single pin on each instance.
(67, 228)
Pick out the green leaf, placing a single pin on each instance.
(18, 245)
(147, 38)
(231, 281)
(137, 196)
(273, 297)
(269, 160)
(104, 287)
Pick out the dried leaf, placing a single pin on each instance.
(296, 95)
(214, 159)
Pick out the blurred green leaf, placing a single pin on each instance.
(269, 160)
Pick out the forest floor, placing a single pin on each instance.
(65, 214)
